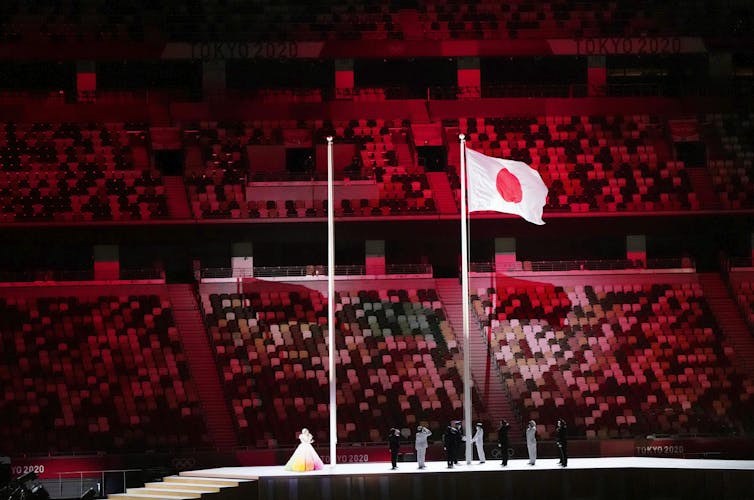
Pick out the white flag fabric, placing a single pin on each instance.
(507, 186)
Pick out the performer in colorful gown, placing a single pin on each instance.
(305, 458)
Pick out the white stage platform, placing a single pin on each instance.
(584, 478)
(382, 468)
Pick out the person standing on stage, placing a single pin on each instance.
(531, 441)
(422, 433)
(562, 441)
(460, 442)
(394, 441)
(502, 440)
(479, 442)
(450, 440)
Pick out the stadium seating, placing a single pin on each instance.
(72, 172)
(524, 19)
(82, 373)
(744, 291)
(590, 163)
(219, 169)
(730, 162)
(76, 172)
(620, 360)
(447, 20)
(397, 362)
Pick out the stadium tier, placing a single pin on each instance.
(95, 370)
(590, 163)
(397, 362)
(70, 172)
(622, 359)
(221, 160)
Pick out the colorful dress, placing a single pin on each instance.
(305, 458)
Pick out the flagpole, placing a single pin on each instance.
(331, 303)
(465, 305)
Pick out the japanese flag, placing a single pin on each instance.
(507, 186)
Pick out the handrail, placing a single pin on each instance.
(49, 275)
(308, 177)
(460, 92)
(100, 472)
(142, 274)
(46, 275)
(312, 270)
(741, 262)
(478, 267)
(585, 265)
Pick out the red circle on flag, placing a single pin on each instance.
(509, 187)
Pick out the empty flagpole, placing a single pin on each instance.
(465, 305)
(331, 303)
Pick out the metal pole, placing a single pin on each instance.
(331, 302)
(465, 305)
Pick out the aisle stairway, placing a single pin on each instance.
(730, 320)
(140, 157)
(454, 147)
(403, 151)
(159, 113)
(184, 488)
(194, 161)
(175, 192)
(701, 184)
(427, 134)
(484, 371)
(203, 367)
(443, 195)
(662, 146)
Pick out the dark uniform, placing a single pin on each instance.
(562, 440)
(502, 440)
(394, 441)
(460, 442)
(450, 440)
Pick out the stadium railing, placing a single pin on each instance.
(583, 265)
(313, 270)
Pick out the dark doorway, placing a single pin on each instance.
(169, 161)
(692, 154)
(299, 160)
(433, 158)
